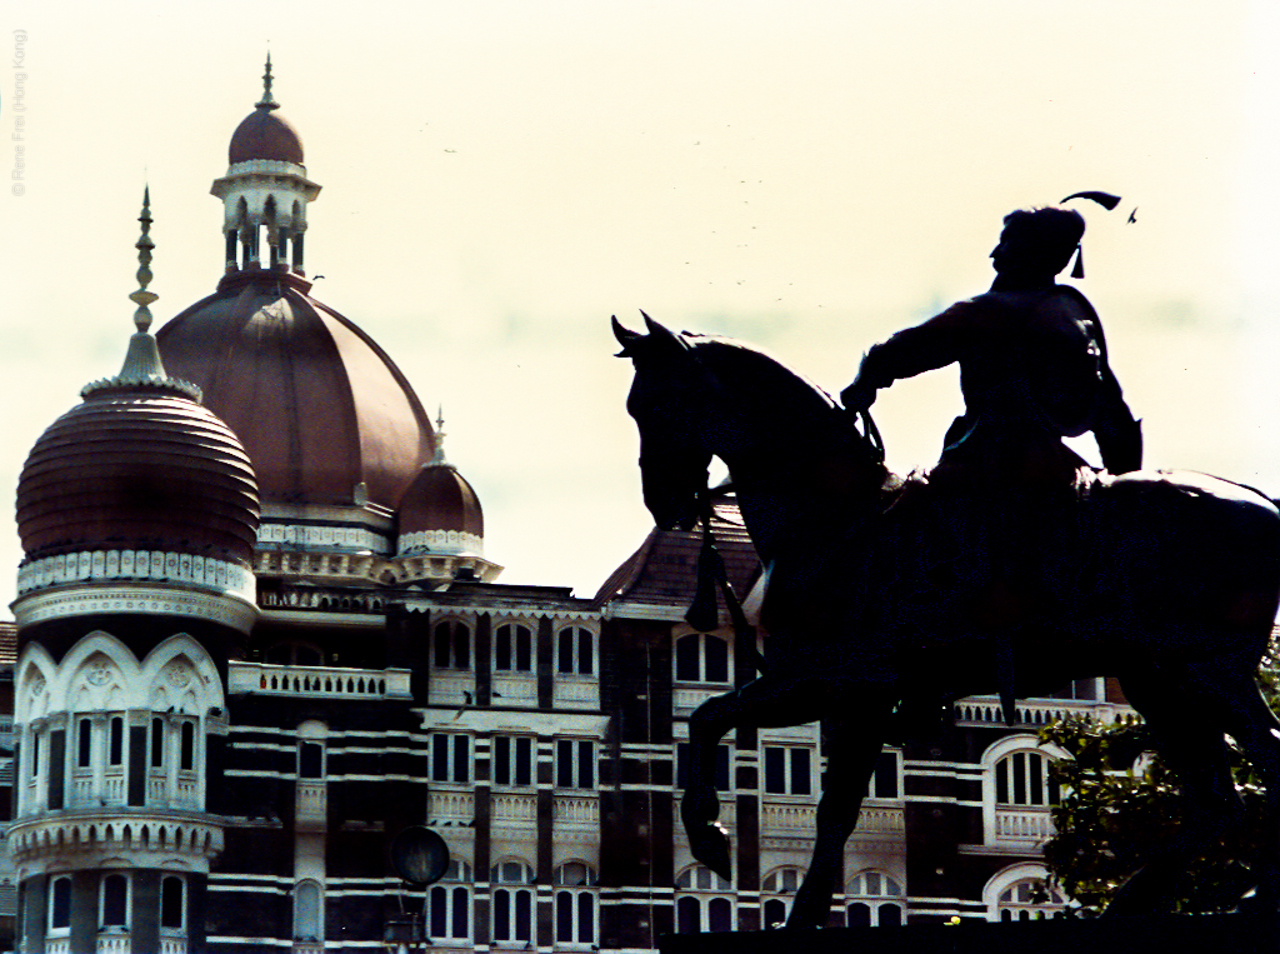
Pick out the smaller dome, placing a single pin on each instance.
(138, 468)
(265, 134)
(440, 513)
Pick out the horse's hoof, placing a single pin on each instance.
(709, 843)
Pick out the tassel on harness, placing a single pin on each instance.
(703, 613)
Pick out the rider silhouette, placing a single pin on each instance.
(1033, 362)
(1033, 370)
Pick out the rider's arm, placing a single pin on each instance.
(934, 344)
(1117, 433)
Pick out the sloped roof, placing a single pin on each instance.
(662, 575)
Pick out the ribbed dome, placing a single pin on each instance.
(265, 134)
(318, 405)
(441, 513)
(138, 467)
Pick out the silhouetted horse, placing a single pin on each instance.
(1168, 581)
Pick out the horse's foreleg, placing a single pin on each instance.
(700, 806)
(853, 747)
(764, 702)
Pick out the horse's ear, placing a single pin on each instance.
(662, 335)
(626, 337)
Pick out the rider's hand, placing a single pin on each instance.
(858, 396)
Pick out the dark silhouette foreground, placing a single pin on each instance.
(1169, 581)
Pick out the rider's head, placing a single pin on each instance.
(1037, 243)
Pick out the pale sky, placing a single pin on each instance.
(501, 177)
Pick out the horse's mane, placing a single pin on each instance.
(802, 412)
(736, 362)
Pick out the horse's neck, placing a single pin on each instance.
(785, 501)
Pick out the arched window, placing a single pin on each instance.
(703, 902)
(308, 908)
(187, 746)
(874, 900)
(115, 742)
(60, 904)
(310, 759)
(113, 901)
(575, 651)
(1023, 779)
(512, 901)
(173, 903)
(449, 904)
(84, 743)
(779, 888)
(1021, 892)
(1030, 899)
(451, 645)
(576, 904)
(1017, 792)
(512, 648)
(701, 657)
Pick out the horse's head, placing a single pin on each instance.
(670, 401)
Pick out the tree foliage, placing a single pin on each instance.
(1120, 803)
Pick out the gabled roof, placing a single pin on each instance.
(660, 578)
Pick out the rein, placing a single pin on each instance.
(704, 613)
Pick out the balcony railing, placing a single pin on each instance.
(986, 710)
(456, 808)
(576, 693)
(570, 812)
(1025, 826)
(318, 682)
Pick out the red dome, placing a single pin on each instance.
(318, 405)
(138, 468)
(440, 501)
(265, 134)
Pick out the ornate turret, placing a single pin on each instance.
(265, 189)
(441, 523)
(138, 486)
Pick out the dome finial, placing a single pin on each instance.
(142, 297)
(267, 101)
(142, 364)
(437, 459)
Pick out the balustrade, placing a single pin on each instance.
(1024, 825)
(318, 681)
(571, 693)
(451, 687)
(512, 809)
(456, 807)
(515, 690)
(576, 812)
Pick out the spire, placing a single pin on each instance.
(267, 101)
(142, 364)
(142, 297)
(437, 459)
